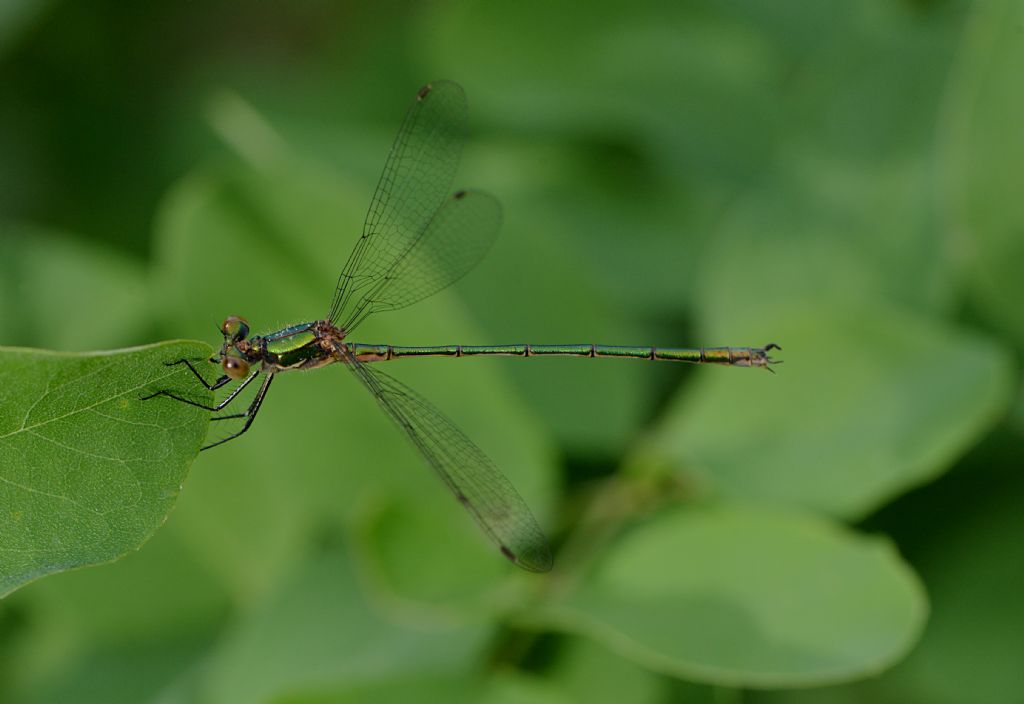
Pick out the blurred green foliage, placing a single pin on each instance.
(839, 177)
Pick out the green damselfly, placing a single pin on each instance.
(417, 239)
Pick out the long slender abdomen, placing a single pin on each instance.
(730, 356)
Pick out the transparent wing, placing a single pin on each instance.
(454, 241)
(464, 468)
(416, 181)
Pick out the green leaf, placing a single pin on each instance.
(88, 470)
(745, 596)
(866, 405)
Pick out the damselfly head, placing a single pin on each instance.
(232, 353)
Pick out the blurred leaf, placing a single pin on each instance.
(59, 293)
(681, 107)
(89, 469)
(749, 597)
(986, 160)
(626, 147)
(879, 397)
(974, 568)
(506, 687)
(407, 553)
(123, 674)
(519, 688)
(15, 17)
(694, 84)
(835, 214)
(866, 405)
(320, 633)
(868, 87)
(163, 590)
(451, 690)
(829, 234)
(157, 608)
(591, 673)
(232, 241)
(963, 535)
(1016, 416)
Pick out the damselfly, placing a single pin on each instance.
(418, 238)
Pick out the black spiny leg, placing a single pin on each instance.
(224, 379)
(212, 387)
(216, 385)
(250, 413)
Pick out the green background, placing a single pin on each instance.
(842, 178)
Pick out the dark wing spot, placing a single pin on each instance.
(508, 553)
(424, 92)
(462, 499)
(459, 195)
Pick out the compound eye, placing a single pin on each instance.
(235, 328)
(235, 368)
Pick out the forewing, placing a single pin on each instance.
(454, 241)
(417, 178)
(474, 479)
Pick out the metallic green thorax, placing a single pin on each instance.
(298, 346)
(290, 340)
(310, 345)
